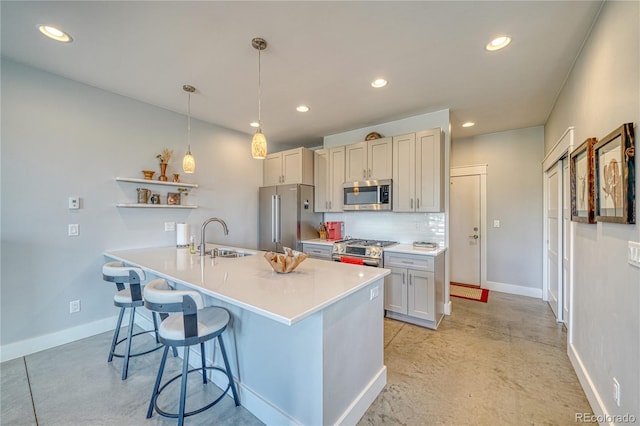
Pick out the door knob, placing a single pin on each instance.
(475, 237)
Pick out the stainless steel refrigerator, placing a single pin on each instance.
(286, 217)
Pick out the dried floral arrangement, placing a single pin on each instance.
(165, 155)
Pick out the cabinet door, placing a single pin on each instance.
(356, 162)
(321, 180)
(429, 171)
(404, 170)
(336, 179)
(292, 166)
(272, 169)
(379, 155)
(395, 291)
(421, 295)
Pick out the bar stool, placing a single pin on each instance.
(191, 323)
(130, 297)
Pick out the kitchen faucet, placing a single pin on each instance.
(204, 227)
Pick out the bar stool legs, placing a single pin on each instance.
(181, 414)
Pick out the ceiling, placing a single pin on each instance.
(322, 54)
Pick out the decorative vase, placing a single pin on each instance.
(148, 174)
(163, 172)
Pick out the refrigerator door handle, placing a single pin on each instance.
(276, 219)
(273, 218)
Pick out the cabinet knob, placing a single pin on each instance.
(417, 203)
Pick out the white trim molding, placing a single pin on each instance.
(515, 289)
(48, 341)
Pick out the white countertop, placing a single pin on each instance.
(250, 283)
(410, 249)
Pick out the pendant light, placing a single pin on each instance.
(259, 142)
(188, 162)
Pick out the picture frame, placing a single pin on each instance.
(173, 198)
(583, 194)
(614, 158)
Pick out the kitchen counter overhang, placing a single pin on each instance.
(250, 283)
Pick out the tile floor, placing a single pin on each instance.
(503, 362)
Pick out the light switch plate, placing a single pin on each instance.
(634, 253)
(496, 223)
(169, 226)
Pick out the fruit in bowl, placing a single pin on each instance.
(287, 262)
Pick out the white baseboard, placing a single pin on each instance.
(588, 387)
(447, 308)
(359, 406)
(62, 337)
(514, 289)
(48, 341)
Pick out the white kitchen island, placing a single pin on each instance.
(305, 347)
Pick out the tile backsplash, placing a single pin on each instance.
(401, 227)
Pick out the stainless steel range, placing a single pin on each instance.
(361, 252)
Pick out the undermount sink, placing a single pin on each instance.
(226, 252)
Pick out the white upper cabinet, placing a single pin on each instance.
(369, 160)
(418, 171)
(329, 177)
(286, 167)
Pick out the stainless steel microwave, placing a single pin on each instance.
(367, 195)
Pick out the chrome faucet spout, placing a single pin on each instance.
(204, 227)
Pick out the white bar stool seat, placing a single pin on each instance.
(130, 297)
(190, 323)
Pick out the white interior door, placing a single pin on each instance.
(465, 236)
(554, 237)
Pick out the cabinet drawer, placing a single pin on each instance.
(317, 251)
(423, 263)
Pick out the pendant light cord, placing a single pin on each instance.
(259, 90)
(189, 123)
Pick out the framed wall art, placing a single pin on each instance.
(583, 196)
(614, 157)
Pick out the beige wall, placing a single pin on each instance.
(514, 196)
(601, 93)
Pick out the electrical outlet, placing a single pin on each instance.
(616, 391)
(74, 306)
(374, 293)
(74, 230)
(169, 226)
(496, 223)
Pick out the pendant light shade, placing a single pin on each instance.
(259, 142)
(259, 145)
(188, 162)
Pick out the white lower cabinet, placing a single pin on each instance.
(317, 251)
(414, 291)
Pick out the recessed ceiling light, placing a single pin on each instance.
(302, 108)
(55, 33)
(379, 82)
(255, 124)
(498, 43)
(468, 124)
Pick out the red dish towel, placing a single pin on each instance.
(354, 260)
